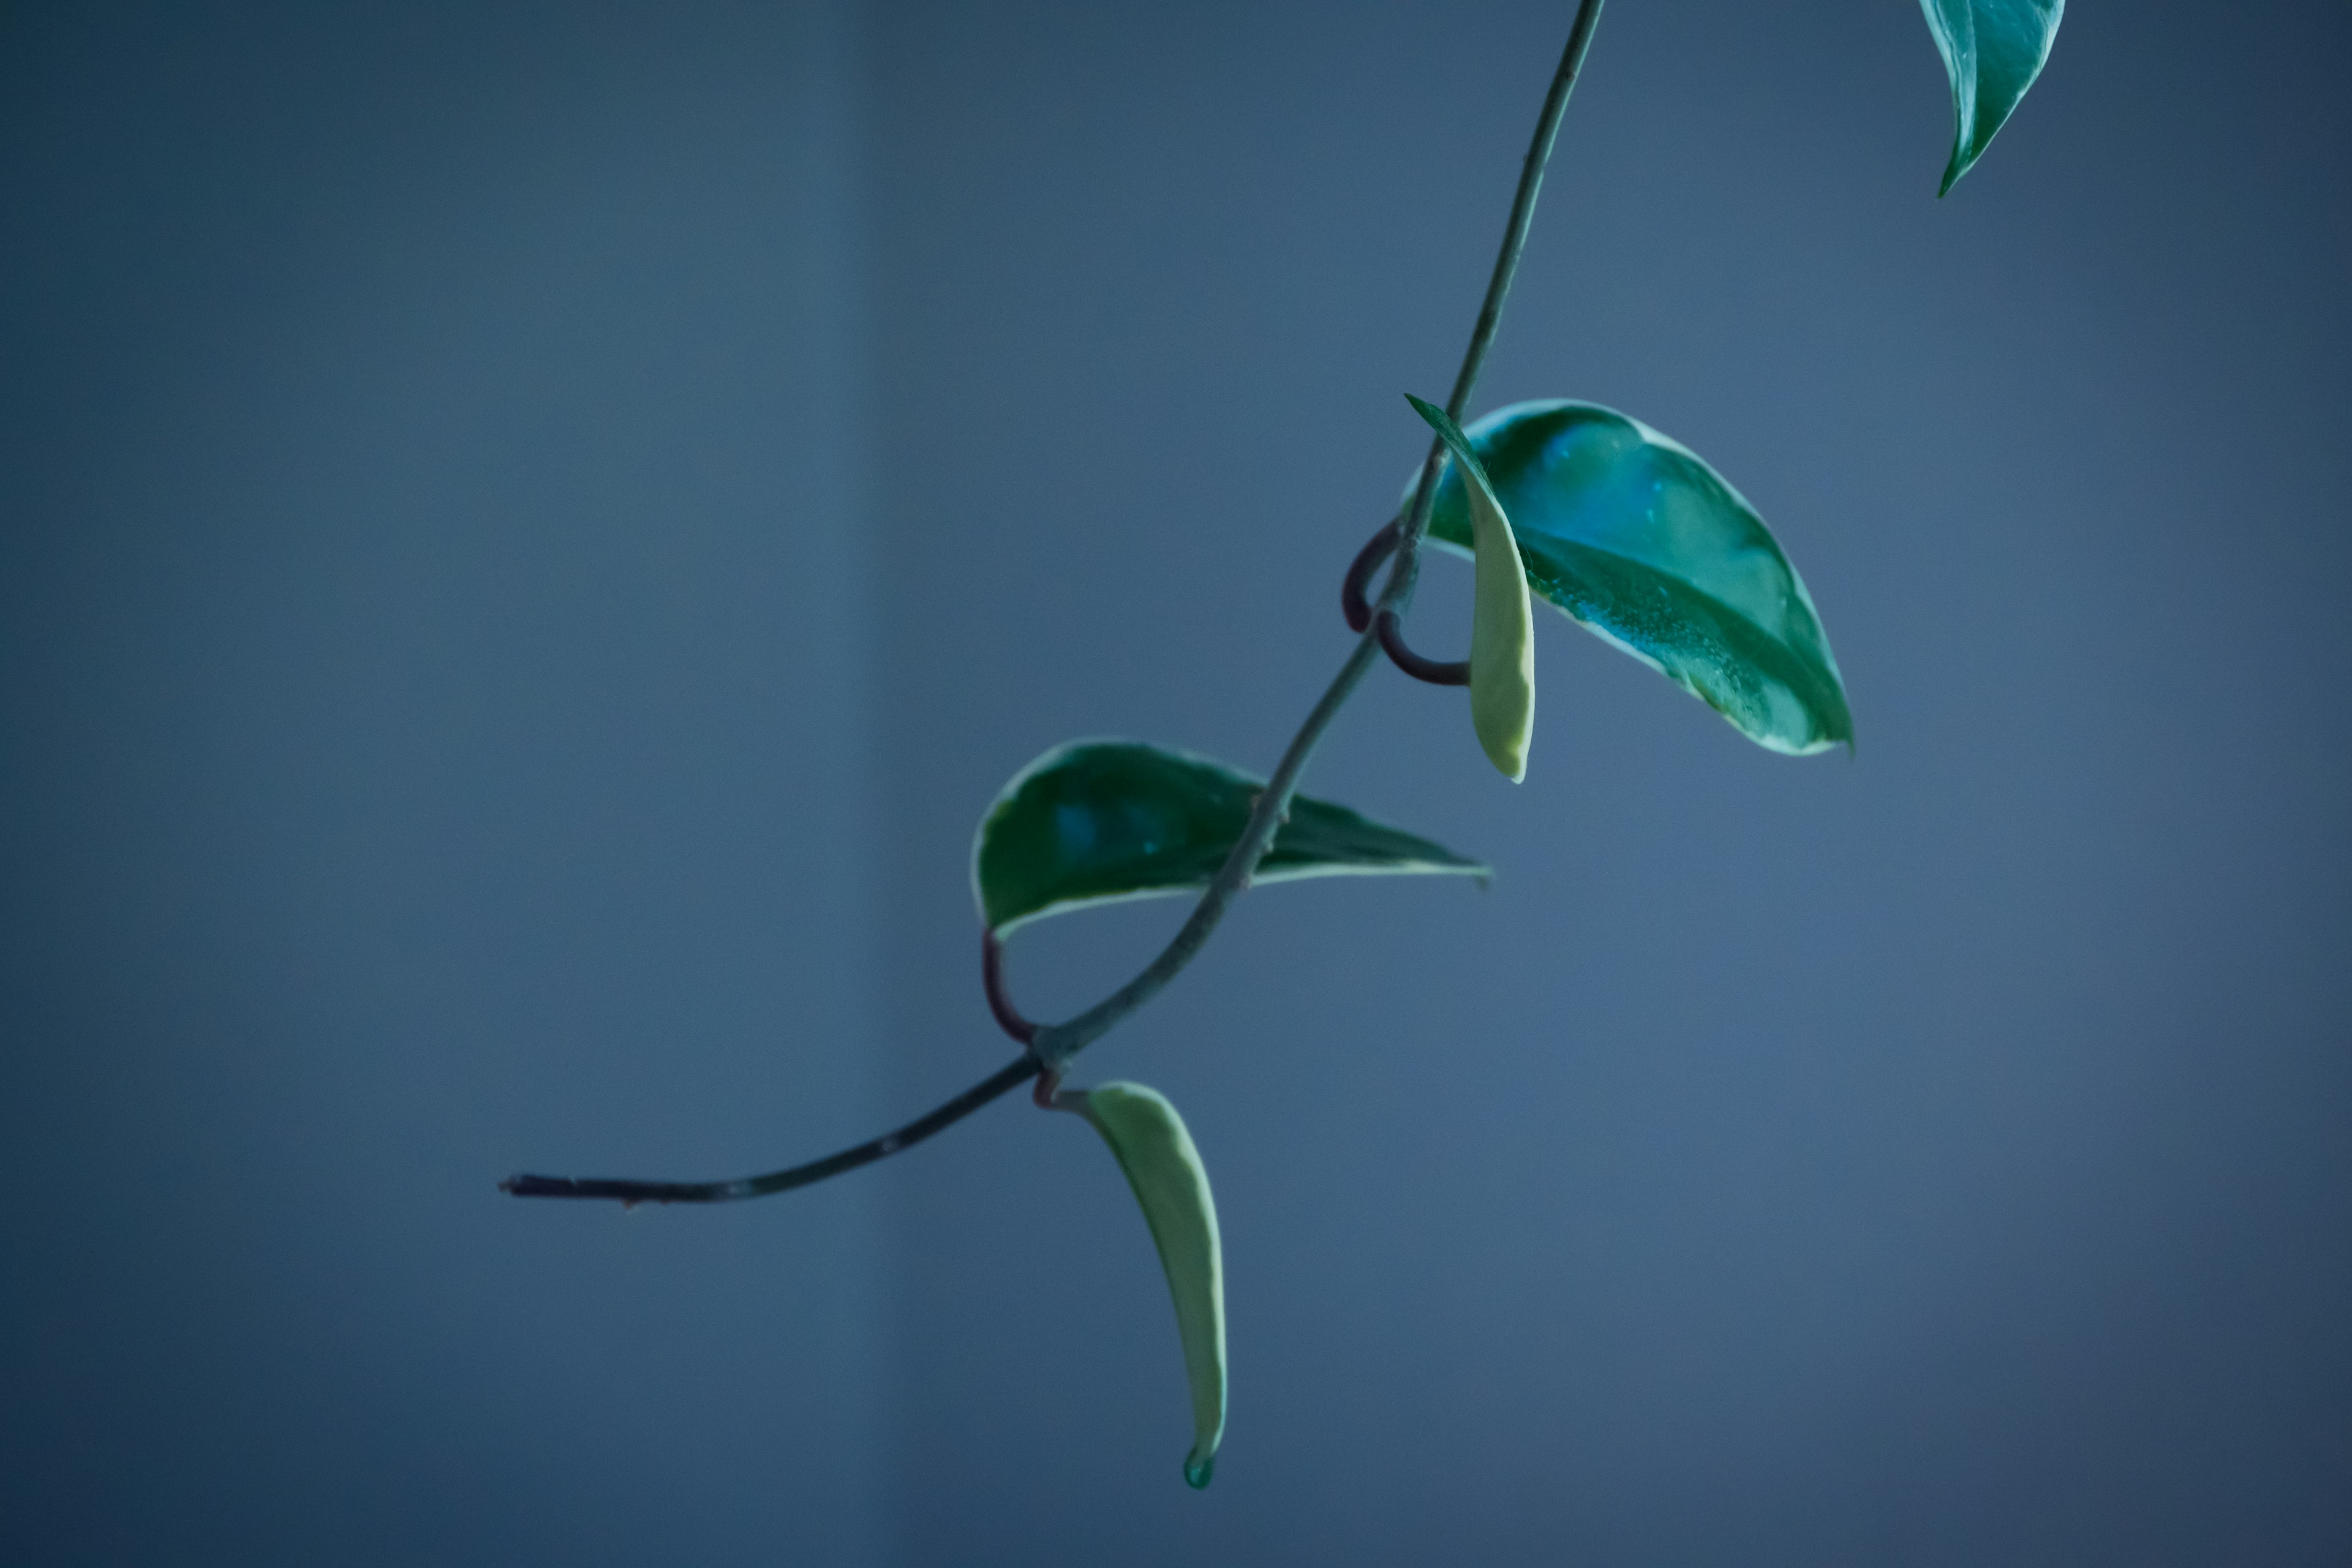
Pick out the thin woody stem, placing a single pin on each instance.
(1057, 1043)
(1051, 1045)
(1006, 1079)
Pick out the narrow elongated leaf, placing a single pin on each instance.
(1092, 822)
(1992, 50)
(1502, 628)
(1634, 538)
(1165, 1170)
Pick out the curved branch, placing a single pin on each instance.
(1000, 1002)
(1010, 1077)
(1438, 672)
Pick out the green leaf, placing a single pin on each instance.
(1502, 628)
(1092, 822)
(1992, 50)
(1165, 1170)
(1634, 538)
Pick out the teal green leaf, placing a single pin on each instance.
(1992, 50)
(1165, 1170)
(1502, 627)
(1096, 821)
(1631, 535)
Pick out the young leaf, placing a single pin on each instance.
(1093, 822)
(1992, 50)
(1165, 1170)
(1634, 538)
(1502, 628)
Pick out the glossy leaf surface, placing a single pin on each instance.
(1632, 536)
(1502, 627)
(1164, 1169)
(1095, 821)
(1992, 50)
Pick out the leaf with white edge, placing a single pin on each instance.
(1633, 537)
(1992, 50)
(1094, 822)
(1502, 627)
(1165, 1170)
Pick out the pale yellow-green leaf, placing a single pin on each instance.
(1502, 626)
(1502, 640)
(1170, 1183)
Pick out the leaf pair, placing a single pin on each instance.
(1632, 536)
(1629, 534)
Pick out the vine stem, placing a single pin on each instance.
(1051, 1045)
(1057, 1043)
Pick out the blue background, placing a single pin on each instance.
(529, 536)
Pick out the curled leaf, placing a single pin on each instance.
(1165, 1170)
(1992, 50)
(1502, 627)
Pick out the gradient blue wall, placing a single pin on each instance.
(528, 537)
(433, 660)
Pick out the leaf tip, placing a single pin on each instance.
(1200, 1469)
(1441, 422)
(1512, 765)
(1964, 158)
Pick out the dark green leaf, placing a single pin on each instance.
(1094, 821)
(1992, 50)
(1633, 537)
